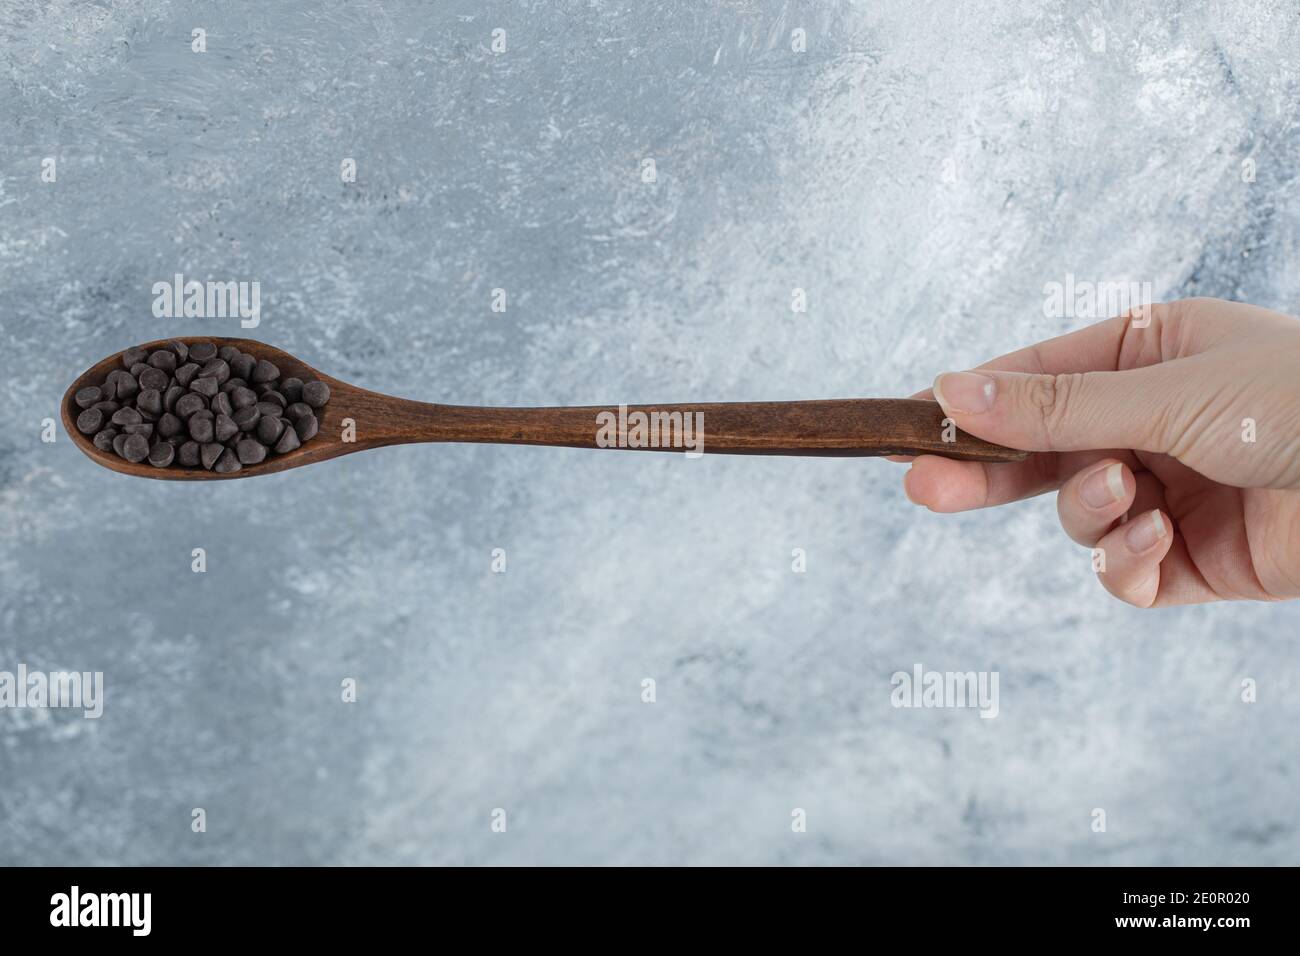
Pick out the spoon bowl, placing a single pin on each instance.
(853, 427)
(326, 444)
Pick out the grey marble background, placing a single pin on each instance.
(822, 170)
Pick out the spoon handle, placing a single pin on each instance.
(833, 428)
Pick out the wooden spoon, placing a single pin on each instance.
(832, 428)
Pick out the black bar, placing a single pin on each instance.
(974, 905)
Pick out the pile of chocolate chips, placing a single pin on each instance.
(199, 406)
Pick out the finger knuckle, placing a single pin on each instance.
(1162, 313)
(1050, 397)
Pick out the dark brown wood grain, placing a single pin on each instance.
(832, 428)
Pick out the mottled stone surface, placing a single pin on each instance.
(921, 171)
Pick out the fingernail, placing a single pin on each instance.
(967, 392)
(907, 487)
(1145, 532)
(1103, 487)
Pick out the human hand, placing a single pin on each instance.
(1172, 435)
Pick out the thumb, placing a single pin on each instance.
(1067, 412)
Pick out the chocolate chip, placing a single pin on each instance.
(118, 442)
(154, 378)
(126, 416)
(243, 397)
(246, 417)
(134, 357)
(269, 408)
(150, 402)
(201, 426)
(291, 388)
(242, 365)
(202, 352)
(263, 372)
(225, 427)
(227, 463)
(188, 404)
(171, 397)
(218, 369)
(250, 452)
(188, 454)
(162, 454)
(306, 427)
(86, 397)
(170, 425)
(104, 439)
(135, 449)
(220, 405)
(137, 368)
(165, 360)
(209, 454)
(269, 430)
(315, 394)
(275, 397)
(185, 374)
(288, 442)
(108, 408)
(127, 386)
(227, 353)
(231, 384)
(297, 410)
(180, 348)
(90, 421)
(144, 428)
(205, 386)
(108, 391)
